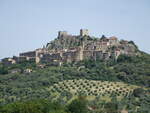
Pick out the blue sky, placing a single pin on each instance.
(29, 24)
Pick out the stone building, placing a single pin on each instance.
(49, 58)
(68, 48)
(62, 34)
(20, 59)
(39, 54)
(84, 32)
(113, 41)
(8, 61)
(28, 54)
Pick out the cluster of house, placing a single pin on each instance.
(101, 48)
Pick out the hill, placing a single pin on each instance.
(131, 70)
(127, 77)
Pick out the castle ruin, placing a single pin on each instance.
(68, 48)
(62, 34)
(84, 32)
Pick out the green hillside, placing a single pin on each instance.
(128, 78)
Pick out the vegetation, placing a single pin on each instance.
(81, 105)
(93, 88)
(34, 106)
(55, 86)
(78, 106)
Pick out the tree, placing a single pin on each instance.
(78, 105)
(138, 92)
(3, 70)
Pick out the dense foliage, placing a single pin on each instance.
(26, 86)
(78, 106)
(34, 106)
(131, 104)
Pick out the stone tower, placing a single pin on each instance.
(62, 34)
(84, 32)
(79, 56)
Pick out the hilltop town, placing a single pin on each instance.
(69, 48)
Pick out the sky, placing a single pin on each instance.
(26, 25)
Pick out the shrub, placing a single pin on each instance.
(78, 106)
(34, 106)
(138, 92)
